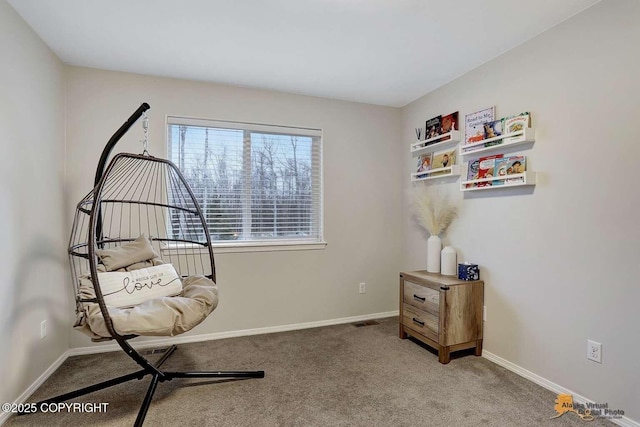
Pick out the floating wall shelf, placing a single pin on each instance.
(453, 170)
(436, 143)
(515, 180)
(515, 138)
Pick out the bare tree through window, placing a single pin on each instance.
(282, 180)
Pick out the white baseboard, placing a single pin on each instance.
(188, 339)
(4, 416)
(624, 421)
(230, 334)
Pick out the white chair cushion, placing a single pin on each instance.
(167, 316)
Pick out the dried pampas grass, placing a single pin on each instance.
(434, 211)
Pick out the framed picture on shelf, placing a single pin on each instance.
(474, 124)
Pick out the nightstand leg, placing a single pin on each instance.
(403, 335)
(444, 356)
(478, 348)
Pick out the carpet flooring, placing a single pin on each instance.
(339, 375)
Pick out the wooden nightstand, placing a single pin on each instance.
(441, 311)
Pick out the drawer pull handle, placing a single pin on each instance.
(418, 322)
(421, 299)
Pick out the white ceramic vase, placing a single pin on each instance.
(448, 261)
(434, 246)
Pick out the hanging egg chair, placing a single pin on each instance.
(141, 260)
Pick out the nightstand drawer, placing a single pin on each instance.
(420, 321)
(422, 298)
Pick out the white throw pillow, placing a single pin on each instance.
(131, 288)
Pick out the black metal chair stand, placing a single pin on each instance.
(157, 376)
(140, 195)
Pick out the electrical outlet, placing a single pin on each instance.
(594, 351)
(484, 313)
(363, 288)
(43, 329)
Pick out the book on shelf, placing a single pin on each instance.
(516, 123)
(493, 129)
(474, 124)
(500, 169)
(511, 165)
(443, 159)
(449, 122)
(433, 128)
(486, 169)
(517, 165)
(473, 167)
(424, 164)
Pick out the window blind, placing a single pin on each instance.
(254, 182)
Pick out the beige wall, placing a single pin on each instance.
(560, 260)
(557, 259)
(362, 193)
(33, 237)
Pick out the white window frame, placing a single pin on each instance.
(258, 245)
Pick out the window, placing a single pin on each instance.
(255, 183)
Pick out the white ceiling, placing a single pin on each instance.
(386, 52)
